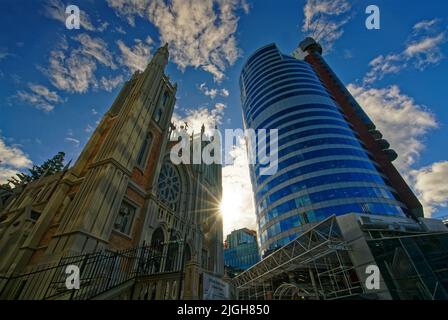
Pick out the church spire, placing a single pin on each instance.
(161, 56)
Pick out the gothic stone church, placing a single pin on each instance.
(137, 226)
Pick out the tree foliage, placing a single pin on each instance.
(49, 167)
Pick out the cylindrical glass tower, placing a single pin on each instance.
(323, 167)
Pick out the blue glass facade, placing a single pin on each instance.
(323, 167)
(241, 250)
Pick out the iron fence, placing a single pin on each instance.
(99, 272)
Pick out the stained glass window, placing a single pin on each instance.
(169, 185)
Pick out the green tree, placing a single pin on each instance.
(49, 167)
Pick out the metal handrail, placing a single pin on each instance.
(99, 272)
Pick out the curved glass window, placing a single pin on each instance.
(316, 182)
(281, 242)
(304, 115)
(280, 89)
(283, 225)
(331, 151)
(324, 165)
(314, 122)
(288, 95)
(298, 72)
(297, 76)
(321, 214)
(266, 59)
(332, 194)
(271, 85)
(296, 108)
(267, 69)
(268, 72)
(284, 134)
(259, 54)
(316, 142)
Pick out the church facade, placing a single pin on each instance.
(123, 192)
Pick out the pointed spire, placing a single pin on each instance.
(161, 56)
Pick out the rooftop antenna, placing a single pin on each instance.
(318, 36)
(316, 24)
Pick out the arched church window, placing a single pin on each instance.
(157, 243)
(172, 254)
(187, 253)
(144, 151)
(169, 185)
(158, 112)
(166, 95)
(157, 240)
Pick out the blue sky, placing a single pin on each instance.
(56, 83)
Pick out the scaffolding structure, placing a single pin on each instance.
(316, 265)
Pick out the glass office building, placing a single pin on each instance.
(324, 168)
(241, 249)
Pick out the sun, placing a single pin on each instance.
(231, 206)
(227, 209)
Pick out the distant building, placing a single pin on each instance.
(240, 250)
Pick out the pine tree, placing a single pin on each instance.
(49, 167)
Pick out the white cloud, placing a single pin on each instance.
(3, 53)
(55, 9)
(120, 30)
(195, 118)
(200, 33)
(12, 159)
(137, 57)
(425, 51)
(89, 129)
(109, 84)
(40, 97)
(129, 9)
(402, 121)
(103, 26)
(324, 20)
(425, 24)
(421, 50)
(73, 69)
(73, 140)
(237, 201)
(224, 92)
(432, 187)
(382, 65)
(212, 93)
(208, 92)
(96, 48)
(72, 73)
